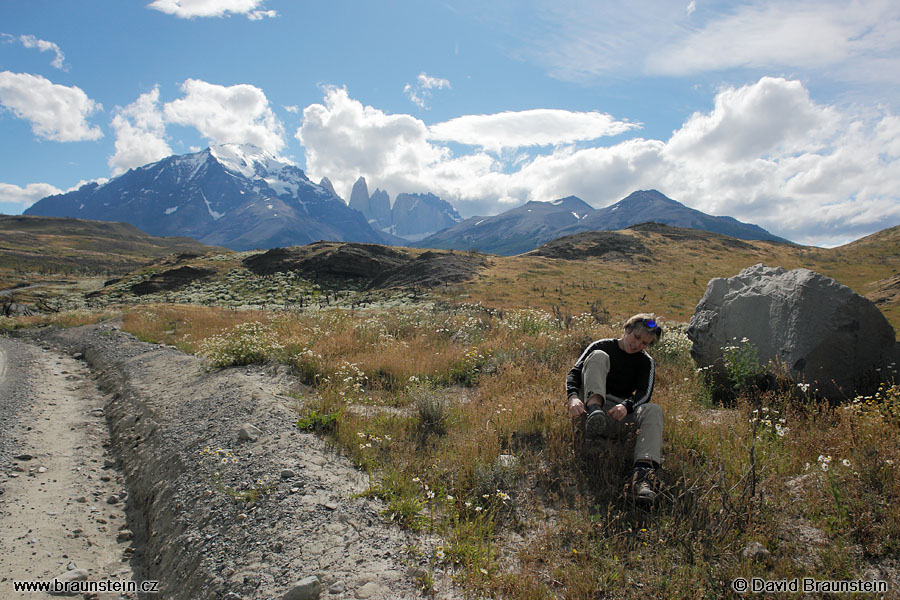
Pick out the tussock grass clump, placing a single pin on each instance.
(458, 414)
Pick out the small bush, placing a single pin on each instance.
(246, 344)
(432, 410)
(319, 423)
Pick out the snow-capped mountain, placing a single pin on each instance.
(412, 217)
(237, 196)
(417, 216)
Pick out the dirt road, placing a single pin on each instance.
(62, 508)
(218, 510)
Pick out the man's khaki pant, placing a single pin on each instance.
(646, 418)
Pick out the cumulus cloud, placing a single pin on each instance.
(227, 114)
(56, 112)
(140, 133)
(222, 114)
(188, 9)
(772, 116)
(29, 41)
(343, 138)
(539, 127)
(420, 91)
(766, 154)
(831, 179)
(23, 197)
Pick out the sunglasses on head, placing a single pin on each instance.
(651, 324)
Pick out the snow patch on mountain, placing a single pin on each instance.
(247, 160)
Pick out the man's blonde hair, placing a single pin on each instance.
(648, 322)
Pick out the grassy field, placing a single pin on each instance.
(671, 277)
(455, 406)
(457, 413)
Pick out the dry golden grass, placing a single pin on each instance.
(772, 468)
(674, 278)
(428, 398)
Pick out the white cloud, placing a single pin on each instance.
(539, 127)
(765, 154)
(25, 197)
(56, 112)
(796, 34)
(233, 114)
(188, 9)
(854, 43)
(140, 134)
(343, 139)
(29, 41)
(420, 92)
(771, 116)
(831, 177)
(258, 15)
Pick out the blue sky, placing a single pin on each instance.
(783, 114)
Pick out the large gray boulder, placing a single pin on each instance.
(821, 332)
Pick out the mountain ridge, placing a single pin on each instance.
(529, 226)
(235, 196)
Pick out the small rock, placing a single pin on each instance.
(369, 590)
(305, 589)
(288, 474)
(24, 457)
(81, 499)
(78, 356)
(755, 551)
(113, 499)
(125, 535)
(249, 432)
(337, 588)
(69, 577)
(42, 469)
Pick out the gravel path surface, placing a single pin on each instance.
(16, 363)
(305, 534)
(62, 511)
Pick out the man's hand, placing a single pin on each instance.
(618, 412)
(576, 407)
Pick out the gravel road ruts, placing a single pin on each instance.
(103, 414)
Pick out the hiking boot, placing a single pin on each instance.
(644, 485)
(596, 424)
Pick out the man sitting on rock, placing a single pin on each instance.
(611, 383)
